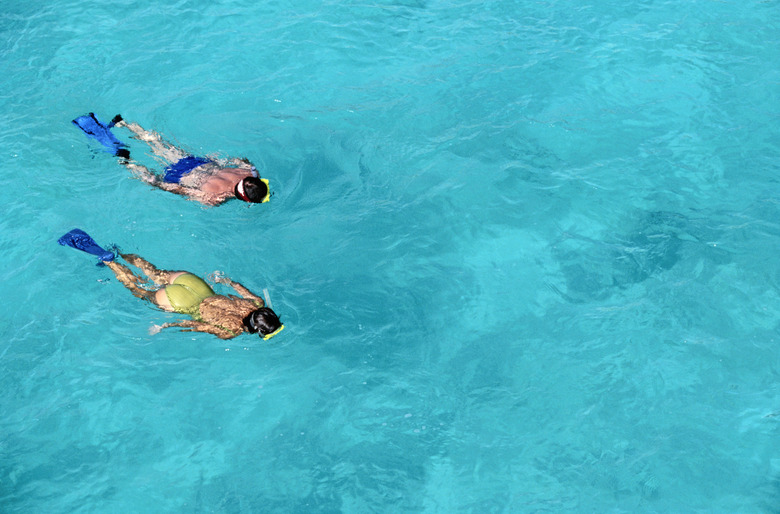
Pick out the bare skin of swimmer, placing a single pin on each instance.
(210, 184)
(220, 315)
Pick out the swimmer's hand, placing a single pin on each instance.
(219, 277)
(240, 162)
(155, 329)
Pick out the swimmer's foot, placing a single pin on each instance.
(110, 256)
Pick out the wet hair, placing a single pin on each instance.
(262, 321)
(255, 189)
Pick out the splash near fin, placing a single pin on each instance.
(100, 132)
(80, 240)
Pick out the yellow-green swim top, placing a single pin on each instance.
(186, 293)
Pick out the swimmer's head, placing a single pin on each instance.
(263, 322)
(253, 190)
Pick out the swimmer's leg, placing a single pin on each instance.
(159, 146)
(158, 276)
(131, 281)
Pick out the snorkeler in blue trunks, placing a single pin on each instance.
(207, 181)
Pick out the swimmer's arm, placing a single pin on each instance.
(142, 173)
(172, 188)
(218, 278)
(243, 163)
(246, 293)
(208, 199)
(198, 326)
(239, 162)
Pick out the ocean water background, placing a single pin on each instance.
(525, 253)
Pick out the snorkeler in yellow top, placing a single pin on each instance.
(225, 316)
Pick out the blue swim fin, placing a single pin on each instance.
(80, 240)
(100, 132)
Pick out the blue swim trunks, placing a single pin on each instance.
(177, 170)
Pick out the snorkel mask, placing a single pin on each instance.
(241, 192)
(269, 336)
(252, 325)
(268, 189)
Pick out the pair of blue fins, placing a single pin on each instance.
(100, 132)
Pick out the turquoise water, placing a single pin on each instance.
(525, 253)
